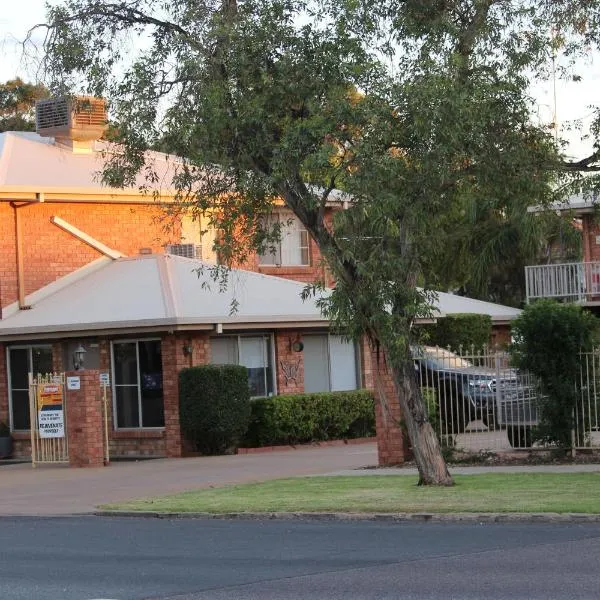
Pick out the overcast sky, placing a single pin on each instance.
(573, 99)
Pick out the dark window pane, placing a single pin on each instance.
(20, 409)
(127, 406)
(256, 381)
(19, 367)
(42, 360)
(151, 382)
(125, 363)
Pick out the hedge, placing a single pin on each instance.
(214, 406)
(301, 418)
(460, 330)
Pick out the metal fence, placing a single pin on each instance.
(477, 402)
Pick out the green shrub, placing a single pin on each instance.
(460, 330)
(549, 338)
(214, 406)
(300, 418)
(432, 406)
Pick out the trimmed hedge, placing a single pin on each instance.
(214, 406)
(301, 418)
(460, 330)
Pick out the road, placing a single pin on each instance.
(80, 558)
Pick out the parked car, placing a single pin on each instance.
(500, 397)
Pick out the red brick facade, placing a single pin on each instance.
(85, 431)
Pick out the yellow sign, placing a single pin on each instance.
(49, 396)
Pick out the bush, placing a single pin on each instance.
(549, 338)
(461, 330)
(300, 418)
(214, 406)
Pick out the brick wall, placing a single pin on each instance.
(286, 360)
(51, 253)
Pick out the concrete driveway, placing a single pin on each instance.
(61, 490)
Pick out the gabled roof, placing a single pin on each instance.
(163, 292)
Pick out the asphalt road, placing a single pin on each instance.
(80, 558)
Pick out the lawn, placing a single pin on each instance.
(502, 492)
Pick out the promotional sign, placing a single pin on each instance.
(51, 418)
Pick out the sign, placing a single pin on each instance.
(104, 379)
(51, 419)
(74, 383)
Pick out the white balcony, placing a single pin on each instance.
(577, 282)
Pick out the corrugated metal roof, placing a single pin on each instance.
(168, 292)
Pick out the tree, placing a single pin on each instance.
(418, 109)
(17, 104)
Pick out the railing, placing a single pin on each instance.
(578, 282)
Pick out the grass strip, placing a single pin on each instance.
(490, 492)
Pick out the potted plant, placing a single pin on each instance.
(6, 445)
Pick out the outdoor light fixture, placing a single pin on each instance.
(187, 348)
(296, 345)
(79, 357)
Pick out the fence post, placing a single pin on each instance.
(498, 391)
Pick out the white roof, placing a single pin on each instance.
(165, 292)
(578, 203)
(32, 163)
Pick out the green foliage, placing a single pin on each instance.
(432, 407)
(298, 418)
(459, 331)
(17, 104)
(549, 339)
(214, 406)
(4, 430)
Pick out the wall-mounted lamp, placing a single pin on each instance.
(187, 348)
(296, 345)
(79, 357)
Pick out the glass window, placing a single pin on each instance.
(329, 364)
(253, 352)
(137, 376)
(22, 361)
(293, 247)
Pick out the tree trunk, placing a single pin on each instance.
(425, 445)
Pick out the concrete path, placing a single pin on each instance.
(54, 490)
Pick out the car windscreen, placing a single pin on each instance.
(444, 359)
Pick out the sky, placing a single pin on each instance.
(573, 99)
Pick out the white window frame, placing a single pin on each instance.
(303, 243)
(30, 348)
(266, 354)
(138, 385)
(357, 359)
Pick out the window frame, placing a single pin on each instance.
(268, 353)
(301, 247)
(29, 348)
(357, 360)
(138, 385)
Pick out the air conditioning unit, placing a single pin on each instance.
(185, 250)
(80, 118)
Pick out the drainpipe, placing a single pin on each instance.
(19, 254)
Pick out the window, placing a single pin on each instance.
(253, 352)
(329, 364)
(21, 361)
(293, 247)
(137, 380)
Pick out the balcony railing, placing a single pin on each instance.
(578, 282)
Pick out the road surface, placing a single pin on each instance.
(83, 558)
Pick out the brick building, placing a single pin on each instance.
(84, 265)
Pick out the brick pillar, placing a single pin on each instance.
(392, 443)
(289, 365)
(173, 360)
(85, 421)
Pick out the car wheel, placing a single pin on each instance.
(519, 436)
